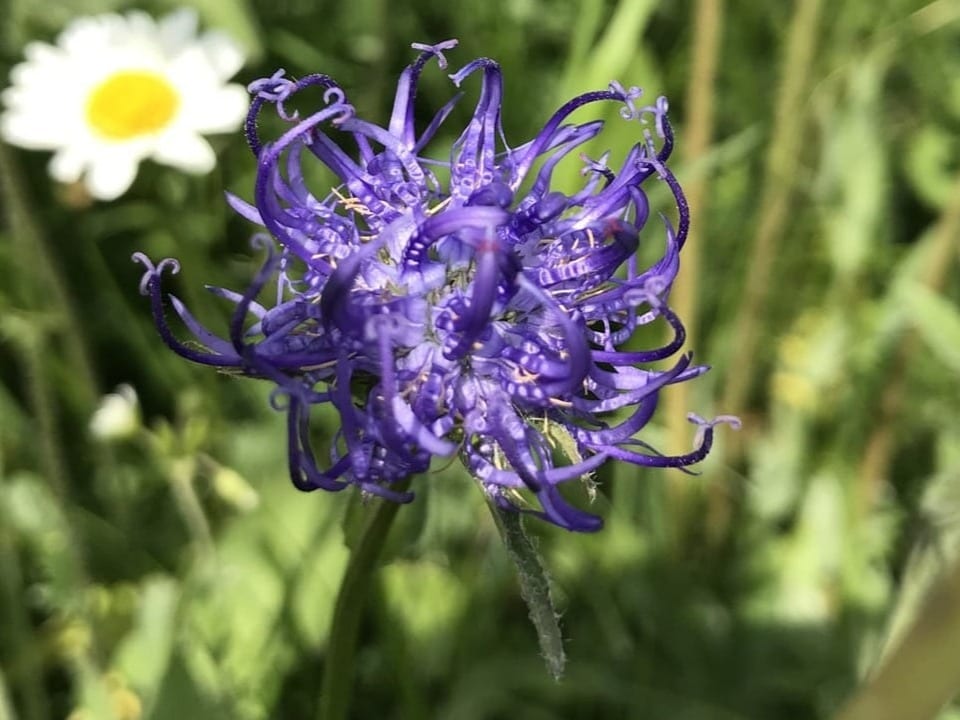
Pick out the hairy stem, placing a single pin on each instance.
(534, 588)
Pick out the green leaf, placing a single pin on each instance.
(937, 320)
(619, 54)
(426, 597)
(855, 156)
(935, 544)
(144, 653)
(315, 591)
(37, 515)
(6, 705)
(93, 691)
(930, 163)
(181, 698)
(617, 49)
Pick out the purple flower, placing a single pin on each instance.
(454, 307)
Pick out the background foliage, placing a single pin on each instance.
(175, 573)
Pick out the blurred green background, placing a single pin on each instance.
(175, 573)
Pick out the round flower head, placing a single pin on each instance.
(455, 307)
(118, 89)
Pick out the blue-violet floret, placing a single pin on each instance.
(454, 307)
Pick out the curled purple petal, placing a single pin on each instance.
(455, 307)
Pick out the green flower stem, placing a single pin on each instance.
(534, 588)
(181, 474)
(339, 670)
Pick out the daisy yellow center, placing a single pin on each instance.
(131, 103)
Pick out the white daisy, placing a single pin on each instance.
(117, 89)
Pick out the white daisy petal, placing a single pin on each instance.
(140, 23)
(186, 151)
(116, 89)
(178, 30)
(27, 131)
(67, 165)
(86, 34)
(222, 111)
(39, 53)
(111, 175)
(223, 53)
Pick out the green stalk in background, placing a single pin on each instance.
(918, 671)
(936, 625)
(49, 288)
(875, 463)
(19, 639)
(45, 285)
(921, 675)
(778, 183)
(697, 136)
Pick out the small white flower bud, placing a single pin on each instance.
(117, 417)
